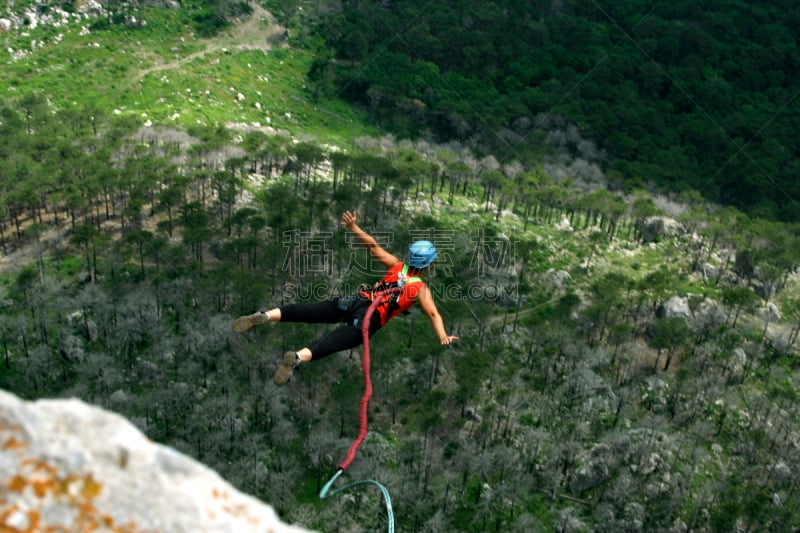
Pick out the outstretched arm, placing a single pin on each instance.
(429, 308)
(368, 241)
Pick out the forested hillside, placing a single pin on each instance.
(625, 362)
(680, 95)
(604, 380)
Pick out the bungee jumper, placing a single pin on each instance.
(400, 288)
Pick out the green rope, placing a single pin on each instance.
(386, 497)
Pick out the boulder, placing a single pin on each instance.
(766, 289)
(708, 315)
(593, 469)
(563, 224)
(90, 7)
(771, 312)
(782, 472)
(555, 279)
(69, 466)
(708, 271)
(656, 228)
(147, 370)
(738, 362)
(118, 397)
(677, 306)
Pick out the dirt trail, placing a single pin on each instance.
(258, 32)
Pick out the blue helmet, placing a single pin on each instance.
(421, 254)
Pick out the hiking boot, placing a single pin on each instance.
(243, 323)
(284, 371)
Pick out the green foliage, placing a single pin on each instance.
(208, 22)
(701, 108)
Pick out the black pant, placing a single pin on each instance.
(350, 310)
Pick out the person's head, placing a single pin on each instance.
(421, 254)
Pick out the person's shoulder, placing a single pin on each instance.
(417, 288)
(398, 266)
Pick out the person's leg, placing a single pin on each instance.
(340, 339)
(326, 312)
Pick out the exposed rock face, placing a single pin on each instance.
(69, 466)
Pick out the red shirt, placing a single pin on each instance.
(393, 304)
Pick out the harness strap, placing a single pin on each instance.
(402, 280)
(412, 279)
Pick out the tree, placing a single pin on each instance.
(608, 299)
(670, 333)
(737, 299)
(252, 143)
(458, 173)
(641, 208)
(412, 166)
(6, 339)
(322, 74)
(226, 185)
(319, 443)
(724, 228)
(308, 156)
(85, 236)
(492, 181)
(34, 107)
(596, 238)
(658, 284)
(340, 161)
(469, 370)
(273, 154)
(168, 198)
(140, 238)
(195, 221)
(792, 307)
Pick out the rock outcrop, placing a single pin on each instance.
(675, 307)
(69, 466)
(657, 227)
